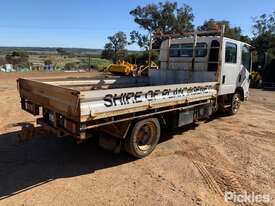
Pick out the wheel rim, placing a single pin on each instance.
(145, 136)
(236, 103)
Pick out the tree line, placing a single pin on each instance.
(171, 18)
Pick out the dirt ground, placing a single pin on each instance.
(194, 165)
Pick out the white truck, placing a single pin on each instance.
(199, 73)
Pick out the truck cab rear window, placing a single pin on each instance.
(246, 57)
(186, 50)
(230, 53)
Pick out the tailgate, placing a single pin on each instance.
(35, 94)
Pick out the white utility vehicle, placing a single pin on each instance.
(199, 73)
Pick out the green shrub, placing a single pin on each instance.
(97, 63)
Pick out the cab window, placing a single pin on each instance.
(246, 57)
(230, 53)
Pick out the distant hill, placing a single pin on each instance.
(52, 50)
(49, 50)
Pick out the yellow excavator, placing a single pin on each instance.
(127, 69)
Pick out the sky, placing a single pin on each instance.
(87, 23)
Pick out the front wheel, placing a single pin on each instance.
(235, 104)
(144, 138)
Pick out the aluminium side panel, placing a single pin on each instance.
(98, 104)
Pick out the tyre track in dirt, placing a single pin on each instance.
(209, 179)
(219, 175)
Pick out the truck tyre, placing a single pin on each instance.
(235, 104)
(144, 138)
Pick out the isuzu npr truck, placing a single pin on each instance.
(200, 73)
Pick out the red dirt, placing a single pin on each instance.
(193, 166)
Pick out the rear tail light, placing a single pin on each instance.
(70, 126)
(58, 120)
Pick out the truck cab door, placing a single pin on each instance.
(230, 67)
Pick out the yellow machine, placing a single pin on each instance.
(122, 67)
(256, 76)
(143, 69)
(127, 69)
(256, 79)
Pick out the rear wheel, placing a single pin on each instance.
(143, 138)
(235, 104)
